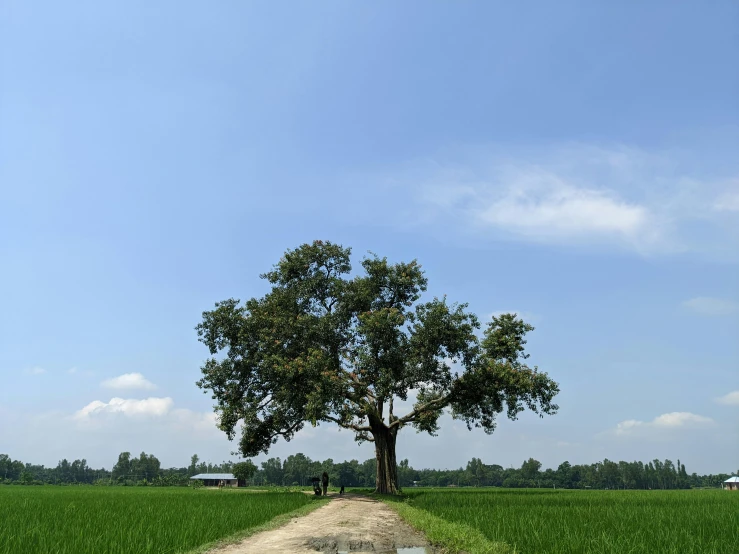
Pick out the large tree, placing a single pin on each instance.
(325, 346)
(243, 471)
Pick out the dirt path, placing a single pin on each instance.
(349, 523)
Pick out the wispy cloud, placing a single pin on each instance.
(101, 430)
(544, 207)
(731, 399)
(34, 371)
(672, 420)
(728, 202)
(77, 371)
(128, 407)
(581, 195)
(129, 381)
(708, 306)
(131, 415)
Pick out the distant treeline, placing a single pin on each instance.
(298, 469)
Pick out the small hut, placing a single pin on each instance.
(215, 479)
(732, 484)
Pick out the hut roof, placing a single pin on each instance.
(732, 480)
(213, 476)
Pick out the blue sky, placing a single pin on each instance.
(574, 162)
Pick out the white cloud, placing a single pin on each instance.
(148, 411)
(579, 195)
(129, 381)
(731, 399)
(190, 421)
(34, 371)
(679, 419)
(728, 202)
(672, 420)
(542, 207)
(177, 434)
(628, 425)
(705, 305)
(563, 210)
(101, 430)
(78, 371)
(129, 407)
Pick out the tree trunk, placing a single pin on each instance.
(386, 481)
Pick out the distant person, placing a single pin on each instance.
(324, 482)
(316, 485)
(341, 491)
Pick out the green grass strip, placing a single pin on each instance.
(279, 521)
(451, 537)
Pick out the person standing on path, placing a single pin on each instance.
(324, 482)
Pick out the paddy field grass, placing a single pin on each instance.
(118, 520)
(575, 521)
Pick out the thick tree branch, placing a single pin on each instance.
(360, 396)
(352, 426)
(394, 299)
(266, 403)
(430, 405)
(286, 431)
(365, 437)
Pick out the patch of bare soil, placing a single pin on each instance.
(349, 523)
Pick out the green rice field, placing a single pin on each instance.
(567, 521)
(81, 520)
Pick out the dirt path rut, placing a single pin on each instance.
(349, 523)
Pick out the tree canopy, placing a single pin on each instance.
(324, 346)
(298, 468)
(243, 471)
